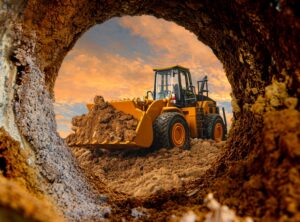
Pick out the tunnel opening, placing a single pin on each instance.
(116, 60)
(258, 164)
(102, 51)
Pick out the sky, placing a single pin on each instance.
(115, 59)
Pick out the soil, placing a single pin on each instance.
(139, 182)
(142, 173)
(157, 185)
(102, 123)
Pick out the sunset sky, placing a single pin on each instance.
(115, 60)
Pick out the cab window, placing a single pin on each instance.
(163, 84)
(184, 80)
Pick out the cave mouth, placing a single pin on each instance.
(113, 58)
(258, 65)
(124, 48)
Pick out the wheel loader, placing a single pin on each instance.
(172, 113)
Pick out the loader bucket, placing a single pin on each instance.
(144, 130)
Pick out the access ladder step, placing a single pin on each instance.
(200, 122)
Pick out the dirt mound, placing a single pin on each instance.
(102, 123)
(142, 173)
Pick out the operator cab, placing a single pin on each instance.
(175, 83)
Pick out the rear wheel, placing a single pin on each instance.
(171, 130)
(215, 127)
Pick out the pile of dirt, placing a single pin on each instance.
(102, 123)
(141, 173)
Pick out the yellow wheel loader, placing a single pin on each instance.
(174, 114)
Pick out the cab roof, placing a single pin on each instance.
(170, 67)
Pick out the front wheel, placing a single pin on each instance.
(171, 130)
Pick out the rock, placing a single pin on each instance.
(189, 217)
(220, 212)
(138, 212)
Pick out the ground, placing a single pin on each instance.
(136, 179)
(141, 173)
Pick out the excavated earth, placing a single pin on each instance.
(141, 173)
(257, 172)
(133, 179)
(102, 123)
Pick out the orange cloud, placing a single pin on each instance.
(179, 46)
(64, 126)
(59, 117)
(63, 133)
(117, 77)
(113, 76)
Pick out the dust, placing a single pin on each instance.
(141, 173)
(102, 123)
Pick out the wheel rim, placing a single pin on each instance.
(178, 134)
(218, 132)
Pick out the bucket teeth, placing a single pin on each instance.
(94, 141)
(116, 142)
(77, 143)
(105, 142)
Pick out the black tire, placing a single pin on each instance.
(211, 121)
(162, 128)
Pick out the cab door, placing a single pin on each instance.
(187, 89)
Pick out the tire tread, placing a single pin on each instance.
(161, 130)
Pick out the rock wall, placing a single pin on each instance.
(257, 42)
